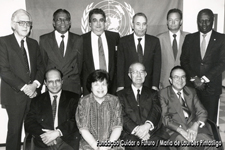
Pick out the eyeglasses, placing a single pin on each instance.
(178, 78)
(138, 72)
(23, 23)
(60, 20)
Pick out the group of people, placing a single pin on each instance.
(102, 88)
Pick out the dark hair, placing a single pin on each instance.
(60, 72)
(175, 68)
(139, 14)
(206, 11)
(175, 10)
(97, 75)
(96, 11)
(61, 11)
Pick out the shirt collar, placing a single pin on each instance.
(93, 34)
(57, 34)
(137, 37)
(58, 95)
(181, 91)
(18, 39)
(208, 34)
(177, 33)
(135, 89)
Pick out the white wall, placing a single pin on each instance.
(7, 7)
(192, 7)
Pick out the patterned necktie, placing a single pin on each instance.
(54, 105)
(183, 104)
(25, 56)
(175, 46)
(140, 51)
(61, 47)
(203, 46)
(102, 61)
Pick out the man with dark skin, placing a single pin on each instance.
(63, 50)
(203, 58)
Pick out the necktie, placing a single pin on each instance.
(54, 104)
(138, 101)
(203, 46)
(183, 104)
(25, 56)
(175, 46)
(102, 61)
(140, 51)
(138, 96)
(61, 47)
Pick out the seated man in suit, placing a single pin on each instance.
(182, 113)
(51, 118)
(141, 111)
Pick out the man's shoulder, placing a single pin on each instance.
(151, 37)
(70, 94)
(111, 33)
(163, 34)
(74, 35)
(46, 35)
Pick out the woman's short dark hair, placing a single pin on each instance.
(97, 75)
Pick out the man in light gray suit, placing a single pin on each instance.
(171, 43)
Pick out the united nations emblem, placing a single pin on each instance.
(118, 16)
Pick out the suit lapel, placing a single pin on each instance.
(89, 54)
(62, 108)
(133, 103)
(169, 46)
(212, 41)
(17, 49)
(188, 100)
(31, 54)
(111, 50)
(54, 47)
(133, 48)
(176, 104)
(47, 109)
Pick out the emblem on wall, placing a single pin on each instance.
(118, 16)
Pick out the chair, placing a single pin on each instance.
(28, 143)
(215, 132)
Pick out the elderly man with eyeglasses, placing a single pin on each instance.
(141, 112)
(21, 73)
(183, 114)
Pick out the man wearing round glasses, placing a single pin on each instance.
(21, 73)
(62, 49)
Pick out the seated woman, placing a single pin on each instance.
(98, 114)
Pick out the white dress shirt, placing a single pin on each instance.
(59, 39)
(95, 50)
(57, 106)
(177, 38)
(142, 42)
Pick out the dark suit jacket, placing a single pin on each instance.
(40, 117)
(127, 54)
(150, 110)
(13, 71)
(172, 112)
(88, 62)
(70, 64)
(213, 63)
(168, 61)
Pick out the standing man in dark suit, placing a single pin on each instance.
(182, 113)
(139, 47)
(63, 50)
(141, 111)
(203, 58)
(99, 49)
(21, 73)
(171, 43)
(51, 118)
